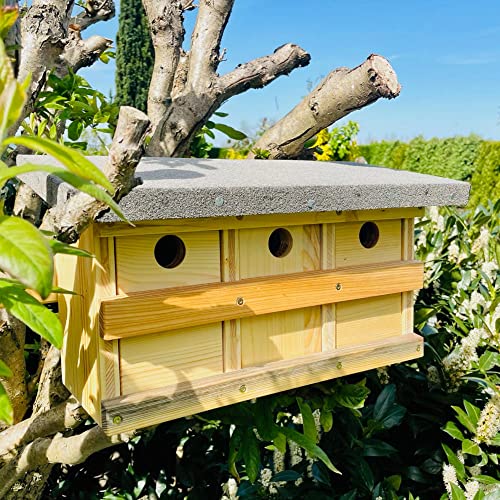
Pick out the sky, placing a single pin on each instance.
(446, 55)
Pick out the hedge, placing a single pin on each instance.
(464, 158)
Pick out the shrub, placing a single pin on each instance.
(486, 177)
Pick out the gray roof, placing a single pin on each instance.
(186, 188)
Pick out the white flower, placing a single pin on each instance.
(449, 477)
(232, 489)
(476, 300)
(434, 213)
(453, 252)
(317, 422)
(383, 375)
(475, 470)
(433, 375)
(278, 461)
(297, 419)
(471, 489)
(422, 239)
(295, 453)
(488, 424)
(489, 268)
(481, 243)
(265, 477)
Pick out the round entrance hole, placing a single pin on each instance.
(170, 251)
(280, 242)
(369, 234)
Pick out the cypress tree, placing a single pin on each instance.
(134, 56)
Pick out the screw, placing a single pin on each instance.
(240, 301)
(339, 212)
(311, 204)
(219, 201)
(339, 365)
(419, 348)
(117, 419)
(339, 286)
(243, 388)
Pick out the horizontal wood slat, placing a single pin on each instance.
(152, 407)
(155, 311)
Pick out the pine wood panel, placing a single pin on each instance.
(231, 330)
(251, 221)
(407, 253)
(282, 335)
(350, 252)
(328, 311)
(170, 358)
(79, 315)
(152, 407)
(154, 311)
(138, 270)
(366, 320)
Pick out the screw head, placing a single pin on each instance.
(219, 201)
(339, 286)
(419, 348)
(117, 419)
(240, 301)
(243, 388)
(311, 204)
(339, 365)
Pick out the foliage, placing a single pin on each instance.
(462, 158)
(339, 144)
(26, 253)
(134, 56)
(70, 104)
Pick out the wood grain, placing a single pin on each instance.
(154, 311)
(407, 253)
(153, 407)
(328, 311)
(156, 227)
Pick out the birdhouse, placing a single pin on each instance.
(240, 279)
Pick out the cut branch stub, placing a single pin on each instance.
(340, 93)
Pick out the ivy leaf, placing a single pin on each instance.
(26, 255)
(250, 452)
(310, 430)
(5, 371)
(32, 313)
(72, 159)
(310, 446)
(6, 410)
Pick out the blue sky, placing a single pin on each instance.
(446, 55)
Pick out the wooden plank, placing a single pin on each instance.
(282, 335)
(407, 253)
(170, 358)
(153, 407)
(109, 351)
(161, 310)
(362, 321)
(231, 330)
(328, 315)
(251, 221)
(137, 268)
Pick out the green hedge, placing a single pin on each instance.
(463, 158)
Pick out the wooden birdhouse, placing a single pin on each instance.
(238, 280)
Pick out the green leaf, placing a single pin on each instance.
(452, 429)
(394, 481)
(60, 247)
(72, 159)
(482, 478)
(457, 493)
(26, 255)
(264, 419)
(8, 17)
(464, 419)
(6, 410)
(326, 420)
(453, 460)
(386, 410)
(230, 132)
(221, 114)
(352, 395)
(32, 313)
(75, 130)
(488, 360)
(250, 452)
(310, 446)
(286, 475)
(5, 371)
(280, 442)
(473, 412)
(470, 447)
(234, 451)
(310, 430)
(377, 448)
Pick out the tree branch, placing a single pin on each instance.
(95, 11)
(70, 219)
(340, 93)
(204, 59)
(191, 109)
(165, 18)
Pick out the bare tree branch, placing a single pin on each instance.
(95, 11)
(190, 110)
(167, 33)
(340, 93)
(204, 59)
(70, 219)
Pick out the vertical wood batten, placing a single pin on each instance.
(231, 330)
(407, 253)
(328, 341)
